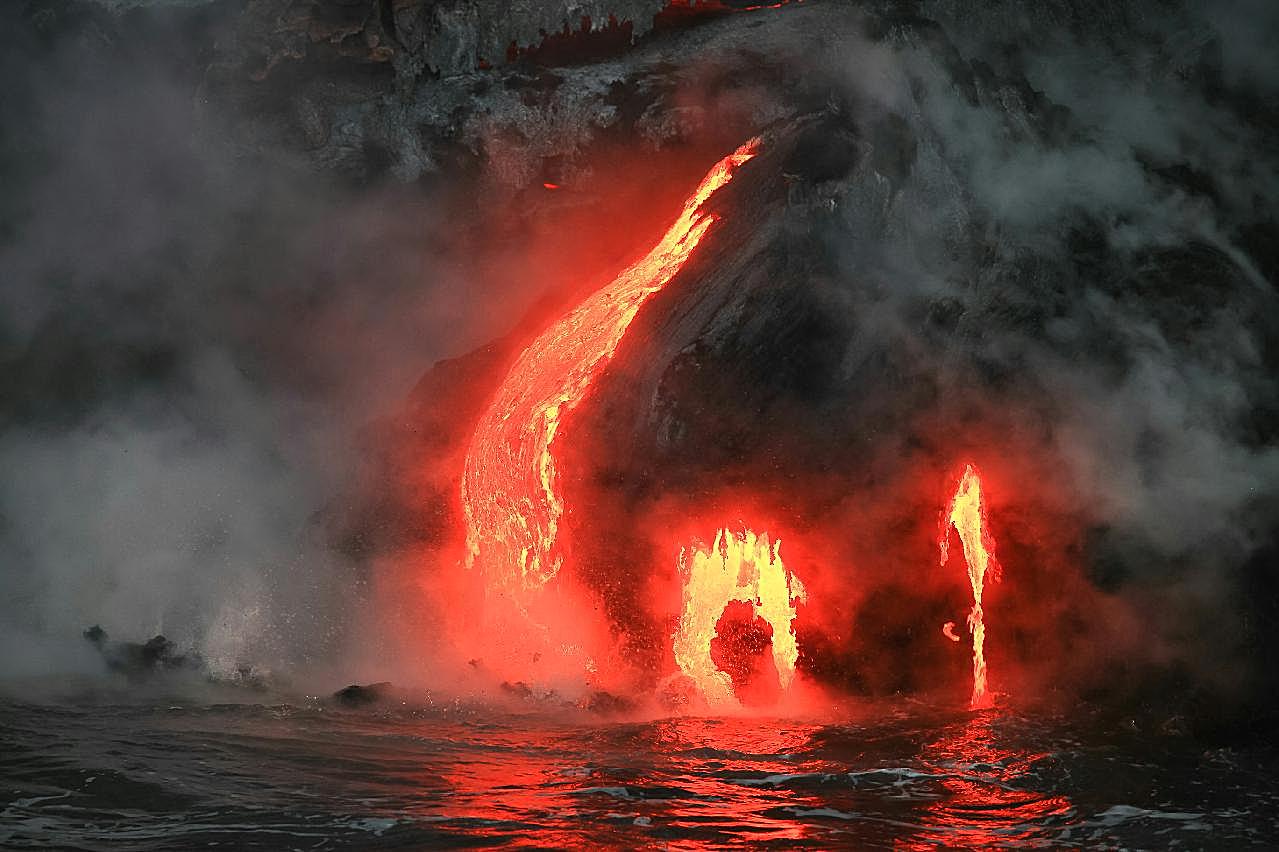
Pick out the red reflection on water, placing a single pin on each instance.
(505, 785)
(692, 782)
(727, 764)
(705, 780)
(983, 805)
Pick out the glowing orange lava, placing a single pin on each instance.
(742, 568)
(510, 490)
(967, 514)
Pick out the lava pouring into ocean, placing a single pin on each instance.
(746, 569)
(533, 628)
(511, 497)
(967, 514)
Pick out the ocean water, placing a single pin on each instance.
(173, 775)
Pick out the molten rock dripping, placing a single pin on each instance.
(967, 514)
(510, 489)
(746, 569)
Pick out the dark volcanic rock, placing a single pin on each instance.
(142, 660)
(439, 37)
(607, 704)
(357, 695)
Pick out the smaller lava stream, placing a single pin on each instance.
(967, 514)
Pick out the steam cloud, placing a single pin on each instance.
(193, 337)
(1024, 178)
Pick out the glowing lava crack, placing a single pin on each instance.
(510, 489)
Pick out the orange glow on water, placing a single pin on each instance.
(988, 800)
(511, 496)
(967, 514)
(638, 782)
(747, 569)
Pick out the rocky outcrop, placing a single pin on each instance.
(140, 661)
(404, 117)
(418, 37)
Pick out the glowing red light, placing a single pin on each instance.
(510, 485)
(967, 514)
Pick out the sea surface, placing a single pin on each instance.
(169, 775)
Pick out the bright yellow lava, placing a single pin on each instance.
(967, 514)
(746, 569)
(510, 490)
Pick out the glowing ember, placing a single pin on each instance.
(746, 569)
(967, 514)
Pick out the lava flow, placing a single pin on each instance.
(967, 514)
(746, 569)
(510, 490)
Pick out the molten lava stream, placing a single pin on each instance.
(745, 569)
(510, 484)
(967, 514)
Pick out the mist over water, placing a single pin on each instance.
(195, 335)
